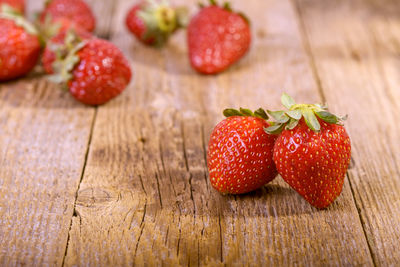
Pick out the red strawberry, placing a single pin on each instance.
(18, 5)
(94, 70)
(154, 23)
(312, 153)
(217, 38)
(239, 154)
(19, 45)
(77, 11)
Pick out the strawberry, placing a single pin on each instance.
(239, 153)
(217, 38)
(153, 23)
(77, 11)
(18, 5)
(312, 152)
(19, 44)
(94, 70)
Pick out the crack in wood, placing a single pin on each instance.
(179, 237)
(142, 185)
(220, 238)
(158, 189)
(137, 242)
(374, 260)
(74, 211)
(188, 170)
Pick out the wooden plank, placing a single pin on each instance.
(355, 46)
(44, 137)
(145, 195)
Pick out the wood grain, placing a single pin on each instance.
(145, 196)
(356, 52)
(44, 137)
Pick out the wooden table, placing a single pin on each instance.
(127, 183)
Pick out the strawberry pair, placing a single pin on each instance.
(217, 36)
(306, 145)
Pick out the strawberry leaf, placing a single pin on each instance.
(276, 114)
(246, 112)
(292, 124)
(311, 119)
(260, 113)
(294, 114)
(287, 101)
(229, 112)
(227, 6)
(275, 129)
(279, 116)
(327, 116)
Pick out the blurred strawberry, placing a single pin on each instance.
(217, 38)
(153, 23)
(94, 70)
(19, 44)
(76, 11)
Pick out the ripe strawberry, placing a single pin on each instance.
(239, 154)
(77, 11)
(94, 70)
(19, 44)
(153, 23)
(18, 5)
(217, 38)
(312, 152)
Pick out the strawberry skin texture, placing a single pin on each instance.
(314, 163)
(217, 38)
(239, 155)
(76, 11)
(49, 56)
(19, 5)
(137, 26)
(19, 50)
(102, 73)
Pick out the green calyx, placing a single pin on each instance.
(227, 7)
(259, 113)
(162, 20)
(48, 28)
(66, 57)
(8, 12)
(289, 119)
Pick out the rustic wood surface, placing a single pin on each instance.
(127, 183)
